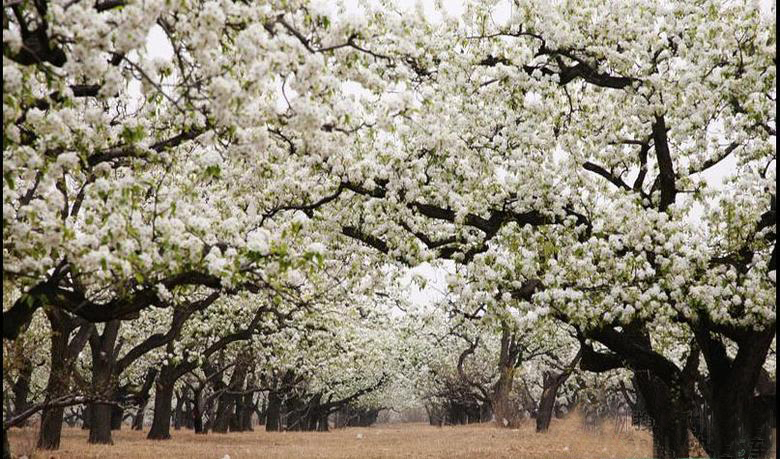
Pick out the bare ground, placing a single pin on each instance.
(566, 439)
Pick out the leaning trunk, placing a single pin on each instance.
(197, 410)
(546, 404)
(143, 397)
(552, 382)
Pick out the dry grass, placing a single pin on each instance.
(566, 439)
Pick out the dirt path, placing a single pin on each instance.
(565, 440)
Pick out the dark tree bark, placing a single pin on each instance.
(178, 412)
(103, 352)
(246, 407)
(669, 413)
(225, 410)
(741, 414)
(161, 422)
(85, 417)
(322, 422)
(63, 353)
(273, 421)
(197, 410)
(187, 414)
(313, 414)
(6, 445)
(117, 417)
(100, 424)
(143, 398)
(551, 383)
(140, 415)
(507, 362)
(294, 408)
(665, 391)
(21, 387)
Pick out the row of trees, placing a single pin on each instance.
(603, 174)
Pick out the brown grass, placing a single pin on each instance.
(566, 439)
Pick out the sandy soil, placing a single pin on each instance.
(566, 439)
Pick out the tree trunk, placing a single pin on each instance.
(103, 357)
(502, 406)
(224, 413)
(294, 410)
(100, 424)
(507, 362)
(261, 409)
(187, 414)
(273, 413)
(138, 419)
(178, 413)
(143, 399)
(322, 423)
(62, 353)
(669, 413)
(6, 446)
(245, 412)
(51, 428)
(547, 403)
(85, 417)
(741, 424)
(741, 417)
(21, 387)
(197, 410)
(552, 382)
(117, 416)
(163, 398)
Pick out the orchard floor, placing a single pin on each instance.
(566, 439)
